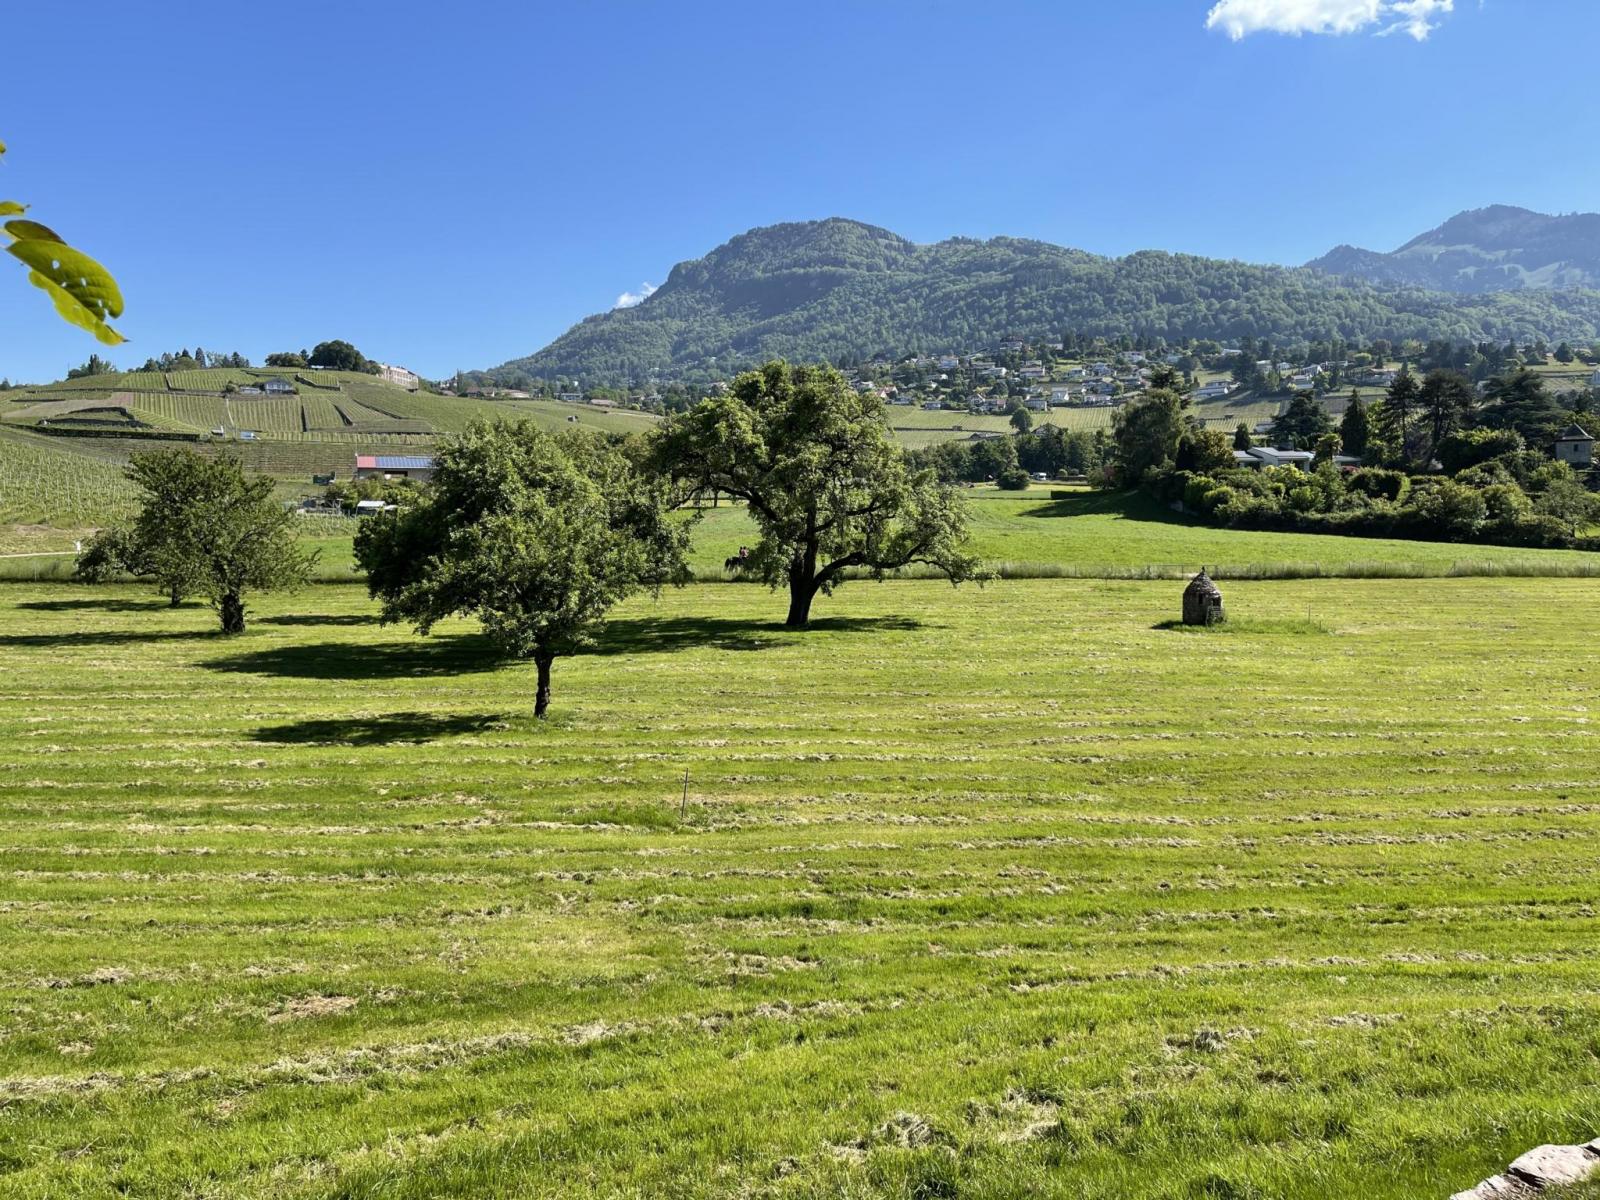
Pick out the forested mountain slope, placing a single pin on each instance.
(842, 290)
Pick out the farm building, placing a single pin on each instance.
(1575, 446)
(277, 387)
(395, 466)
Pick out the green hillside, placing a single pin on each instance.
(331, 417)
(841, 290)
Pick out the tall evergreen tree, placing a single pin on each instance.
(1444, 400)
(1356, 427)
(1398, 414)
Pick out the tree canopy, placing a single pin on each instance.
(826, 485)
(204, 526)
(340, 356)
(537, 535)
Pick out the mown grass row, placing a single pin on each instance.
(992, 892)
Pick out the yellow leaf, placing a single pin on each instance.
(70, 309)
(10, 208)
(33, 231)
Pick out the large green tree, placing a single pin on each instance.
(825, 482)
(339, 356)
(1519, 401)
(206, 526)
(1147, 434)
(537, 535)
(1355, 428)
(1445, 399)
(1302, 422)
(1397, 415)
(82, 291)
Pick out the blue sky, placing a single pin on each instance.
(450, 186)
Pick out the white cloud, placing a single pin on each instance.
(1240, 18)
(629, 299)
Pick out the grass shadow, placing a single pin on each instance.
(318, 619)
(108, 604)
(668, 635)
(466, 654)
(413, 727)
(1236, 625)
(1130, 506)
(108, 637)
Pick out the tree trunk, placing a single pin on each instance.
(174, 598)
(541, 699)
(802, 588)
(232, 608)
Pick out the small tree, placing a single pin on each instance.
(1241, 437)
(537, 535)
(212, 529)
(825, 482)
(1021, 420)
(117, 551)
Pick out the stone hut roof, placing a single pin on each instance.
(1574, 433)
(1201, 585)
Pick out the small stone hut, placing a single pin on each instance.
(1202, 601)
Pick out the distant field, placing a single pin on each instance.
(1095, 533)
(995, 892)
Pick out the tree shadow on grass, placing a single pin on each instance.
(319, 619)
(377, 731)
(1130, 506)
(106, 604)
(463, 655)
(668, 635)
(103, 637)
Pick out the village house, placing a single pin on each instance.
(277, 387)
(1265, 456)
(1575, 447)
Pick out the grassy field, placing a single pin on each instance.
(1091, 908)
(1095, 533)
(1089, 534)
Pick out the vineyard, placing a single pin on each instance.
(65, 444)
(40, 484)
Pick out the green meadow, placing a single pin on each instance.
(992, 892)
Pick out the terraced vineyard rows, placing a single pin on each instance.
(40, 483)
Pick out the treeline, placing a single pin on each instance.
(1432, 461)
(336, 355)
(1010, 460)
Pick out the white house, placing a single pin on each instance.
(1268, 457)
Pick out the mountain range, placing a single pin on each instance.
(1493, 249)
(842, 291)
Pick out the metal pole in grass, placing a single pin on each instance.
(683, 805)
